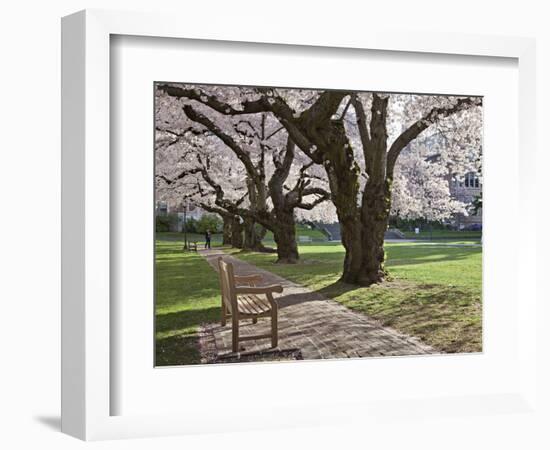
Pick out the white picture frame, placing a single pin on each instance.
(86, 218)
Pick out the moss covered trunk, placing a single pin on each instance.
(236, 233)
(363, 216)
(253, 235)
(227, 225)
(285, 237)
(363, 239)
(374, 223)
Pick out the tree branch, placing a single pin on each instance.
(324, 107)
(378, 137)
(274, 133)
(216, 209)
(361, 121)
(310, 206)
(316, 190)
(243, 156)
(253, 130)
(267, 102)
(181, 175)
(248, 107)
(283, 168)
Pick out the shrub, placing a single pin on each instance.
(210, 222)
(166, 223)
(411, 224)
(191, 225)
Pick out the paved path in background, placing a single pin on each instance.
(318, 327)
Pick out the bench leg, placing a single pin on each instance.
(224, 314)
(255, 320)
(274, 328)
(235, 332)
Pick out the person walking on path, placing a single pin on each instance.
(208, 239)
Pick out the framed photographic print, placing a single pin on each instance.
(294, 228)
(300, 234)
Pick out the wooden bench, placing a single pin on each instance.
(191, 246)
(243, 299)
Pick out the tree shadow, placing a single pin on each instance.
(440, 312)
(337, 288)
(404, 255)
(444, 316)
(284, 301)
(427, 259)
(186, 318)
(177, 350)
(181, 347)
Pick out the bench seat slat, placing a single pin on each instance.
(258, 304)
(261, 302)
(244, 306)
(252, 304)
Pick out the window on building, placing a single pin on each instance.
(162, 208)
(471, 180)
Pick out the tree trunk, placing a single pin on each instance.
(252, 240)
(374, 219)
(343, 175)
(364, 238)
(351, 233)
(285, 237)
(362, 225)
(376, 199)
(227, 225)
(236, 233)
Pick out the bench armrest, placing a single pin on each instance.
(248, 279)
(258, 289)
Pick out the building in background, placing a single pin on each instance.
(194, 212)
(467, 191)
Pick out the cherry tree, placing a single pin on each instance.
(181, 154)
(421, 190)
(447, 151)
(278, 180)
(359, 164)
(179, 165)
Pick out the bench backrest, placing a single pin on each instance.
(227, 283)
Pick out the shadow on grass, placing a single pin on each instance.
(186, 318)
(181, 346)
(446, 317)
(177, 350)
(430, 257)
(187, 295)
(338, 288)
(318, 261)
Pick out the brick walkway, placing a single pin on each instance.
(310, 327)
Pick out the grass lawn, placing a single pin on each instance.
(445, 235)
(187, 294)
(434, 294)
(301, 230)
(191, 237)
